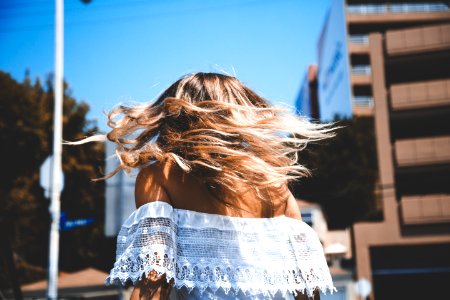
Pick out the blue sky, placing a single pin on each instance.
(128, 51)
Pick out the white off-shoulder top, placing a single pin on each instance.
(211, 256)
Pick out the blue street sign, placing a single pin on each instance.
(69, 224)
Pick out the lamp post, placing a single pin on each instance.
(55, 205)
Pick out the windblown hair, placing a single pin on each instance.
(214, 127)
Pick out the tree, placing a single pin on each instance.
(344, 173)
(26, 122)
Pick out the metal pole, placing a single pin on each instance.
(56, 184)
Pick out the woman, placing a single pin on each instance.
(214, 218)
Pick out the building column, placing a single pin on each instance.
(382, 130)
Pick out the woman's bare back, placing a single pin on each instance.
(183, 191)
(170, 184)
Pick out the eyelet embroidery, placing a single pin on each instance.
(214, 252)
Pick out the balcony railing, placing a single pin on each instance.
(359, 39)
(420, 94)
(420, 39)
(361, 70)
(422, 151)
(425, 209)
(397, 8)
(363, 101)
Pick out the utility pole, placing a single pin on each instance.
(55, 205)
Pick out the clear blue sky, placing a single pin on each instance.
(127, 51)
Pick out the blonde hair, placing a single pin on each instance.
(214, 127)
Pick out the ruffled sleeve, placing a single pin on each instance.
(146, 242)
(312, 270)
(207, 253)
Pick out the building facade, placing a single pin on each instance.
(407, 256)
(334, 89)
(344, 67)
(391, 60)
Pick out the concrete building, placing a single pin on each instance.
(362, 19)
(391, 60)
(407, 256)
(344, 68)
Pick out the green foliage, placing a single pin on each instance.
(344, 173)
(26, 127)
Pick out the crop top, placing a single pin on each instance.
(210, 256)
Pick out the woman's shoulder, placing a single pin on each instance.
(151, 184)
(165, 181)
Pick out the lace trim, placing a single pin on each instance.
(204, 251)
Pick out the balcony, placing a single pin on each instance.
(362, 106)
(416, 40)
(420, 95)
(360, 79)
(425, 209)
(358, 44)
(359, 39)
(363, 101)
(367, 9)
(401, 12)
(358, 48)
(361, 75)
(422, 151)
(361, 70)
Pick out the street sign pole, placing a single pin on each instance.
(52, 292)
